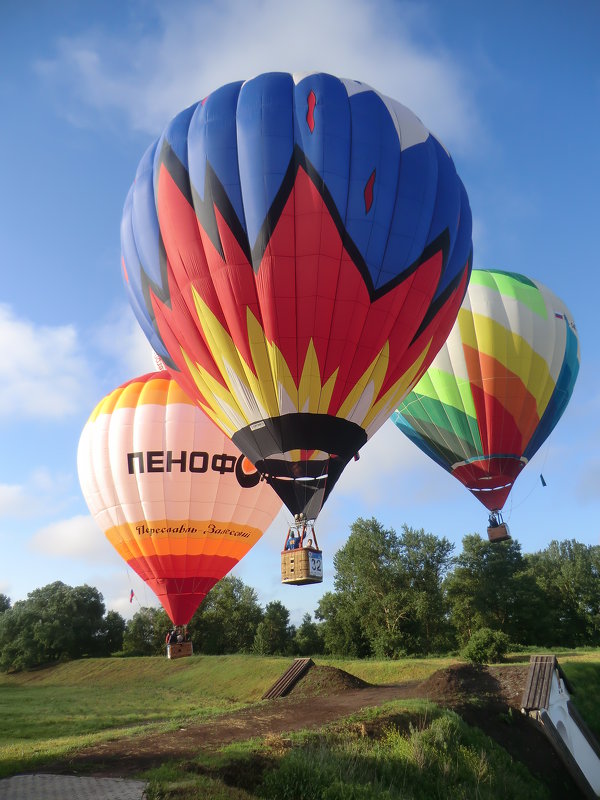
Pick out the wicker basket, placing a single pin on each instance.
(498, 533)
(302, 566)
(179, 650)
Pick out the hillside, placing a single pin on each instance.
(201, 704)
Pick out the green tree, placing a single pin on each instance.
(145, 632)
(112, 633)
(55, 622)
(274, 634)
(341, 627)
(4, 603)
(389, 587)
(226, 621)
(308, 640)
(568, 575)
(370, 574)
(486, 647)
(491, 587)
(426, 559)
(18, 648)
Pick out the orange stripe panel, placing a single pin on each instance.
(509, 391)
(129, 543)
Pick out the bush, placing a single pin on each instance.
(486, 647)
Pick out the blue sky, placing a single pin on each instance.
(512, 89)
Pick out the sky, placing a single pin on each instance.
(513, 91)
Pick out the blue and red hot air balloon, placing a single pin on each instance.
(296, 249)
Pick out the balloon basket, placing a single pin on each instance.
(498, 533)
(302, 566)
(179, 650)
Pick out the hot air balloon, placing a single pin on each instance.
(497, 388)
(173, 495)
(296, 249)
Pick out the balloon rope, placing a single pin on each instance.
(535, 484)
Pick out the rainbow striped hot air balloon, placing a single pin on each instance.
(497, 387)
(173, 495)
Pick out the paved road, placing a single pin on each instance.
(69, 787)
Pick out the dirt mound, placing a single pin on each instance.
(321, 680)
(458, 684)
(489, 698)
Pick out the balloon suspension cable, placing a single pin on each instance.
(300, 528)
(535, 486)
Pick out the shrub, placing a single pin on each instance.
(486, 647)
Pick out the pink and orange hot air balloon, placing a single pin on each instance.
(173, 495)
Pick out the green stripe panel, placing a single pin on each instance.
(446, 444)
(446, 423)
(511, 284)
(445, 388)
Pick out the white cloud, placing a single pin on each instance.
(79, 540)
(12, 499)
(43, 491)
(198, 47)
(392, 470)
(44, 373)
(123, 343)
(78, 537)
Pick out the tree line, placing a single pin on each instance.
(395, 594)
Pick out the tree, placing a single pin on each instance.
(308, 640)
(112, 633)
(426, 559)
(274, 634)
(370, 574)
(18, 648)
(55, 622)
(486, 647)
(145, 632)
(568, 575)
(388, 590)
(226, 621)
(490, 587)
(4, 603)
(341, 627)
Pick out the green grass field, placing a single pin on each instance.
(49, 713)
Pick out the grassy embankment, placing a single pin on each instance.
(46, 714)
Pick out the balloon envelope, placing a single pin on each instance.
(498, 386)
(173, 495)
(296, 249)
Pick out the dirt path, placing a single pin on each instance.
(287, 714)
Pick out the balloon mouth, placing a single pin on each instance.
(302, 483)
(490, 478)
(265, 440)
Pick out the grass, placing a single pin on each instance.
(419, 752)
(382, 672)
(47, 714)
(50, 712)
(440, 758)
(584, 676)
